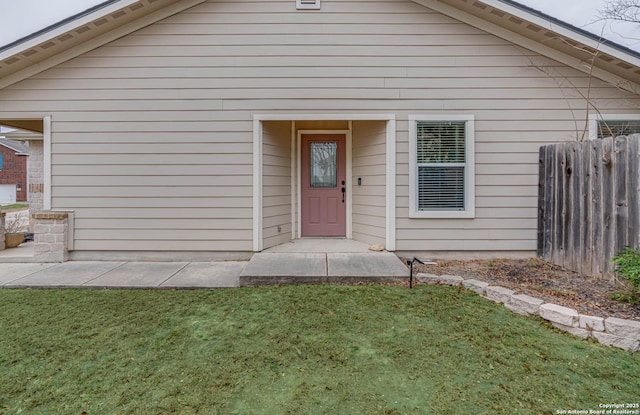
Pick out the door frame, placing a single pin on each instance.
(298, 180)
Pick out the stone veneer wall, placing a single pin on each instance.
(617, 332)
(50, 236)
(36, 175)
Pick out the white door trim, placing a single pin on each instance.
(349, 167)
(391, 186)
(257, 185)
(390, 160)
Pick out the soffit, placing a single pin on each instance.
(35, 125)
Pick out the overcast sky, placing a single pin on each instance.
(22, 17)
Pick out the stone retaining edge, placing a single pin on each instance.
(612, 331)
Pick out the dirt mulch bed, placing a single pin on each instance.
(534, 277)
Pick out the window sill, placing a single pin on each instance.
(468, 214)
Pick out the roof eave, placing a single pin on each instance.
(72, 23)
(86, 32)
(560, 42)
(565, 29)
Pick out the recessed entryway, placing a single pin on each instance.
(324, 175)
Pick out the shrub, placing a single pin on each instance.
(627, 264)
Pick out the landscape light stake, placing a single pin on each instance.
(410, 263)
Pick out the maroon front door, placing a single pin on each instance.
(323, 185)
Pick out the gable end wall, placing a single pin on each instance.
(152, 133)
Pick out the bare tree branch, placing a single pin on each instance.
(622, 10)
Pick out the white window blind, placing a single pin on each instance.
(616, 128)
(441, 163)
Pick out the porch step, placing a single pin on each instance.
(322, 268)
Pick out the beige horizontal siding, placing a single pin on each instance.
(154, 181)
(179, 72)
(293, 93)
(369, 163)
(276, 185)
(226, 205)
(163, 223)
(152, 133)
(142, 171)
(238, 215)
(316, 60)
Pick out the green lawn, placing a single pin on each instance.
(15, 206)
(295, 350)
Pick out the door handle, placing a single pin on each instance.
(343, 192)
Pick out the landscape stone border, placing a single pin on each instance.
(617, 332)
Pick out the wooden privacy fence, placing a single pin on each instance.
(588, 204)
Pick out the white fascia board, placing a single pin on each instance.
(21, 47)
(563, 31)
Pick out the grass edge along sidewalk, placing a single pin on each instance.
(301, 349)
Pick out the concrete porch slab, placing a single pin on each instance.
(137, 275)
(68, 274)
(286, 265)
(384, 264)
(320, 268)
(19, 253)
(319, 245)
(207, 275)
(10, 272)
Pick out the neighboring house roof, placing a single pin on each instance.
(21, 149)
(19, 135)
(508, 19)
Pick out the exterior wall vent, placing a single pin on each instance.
(308, 4)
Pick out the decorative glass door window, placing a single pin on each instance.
(324, 165)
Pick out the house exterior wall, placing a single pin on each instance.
(152, 133)
(276, 183)
(369, 164)
(14, 172)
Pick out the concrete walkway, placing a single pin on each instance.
(308, 261)
(96, 274)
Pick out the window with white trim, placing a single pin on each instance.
(615, 125)
(441, 166)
